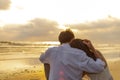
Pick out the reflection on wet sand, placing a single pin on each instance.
(28, 73)
(36, 72)
(25, 69)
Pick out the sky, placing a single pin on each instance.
(42, 20)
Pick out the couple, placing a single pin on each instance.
(74, 58)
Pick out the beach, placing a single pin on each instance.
(114, 66)
(20, 61)
(36, 72)
(22, 72)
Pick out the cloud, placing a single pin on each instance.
(4, 4)
(36, 30)
(102, 31)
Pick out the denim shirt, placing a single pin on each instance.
(68, 63)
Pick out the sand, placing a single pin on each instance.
(114, 66)
(30, 73)
(37, 72)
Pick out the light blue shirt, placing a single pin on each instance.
(68, 63)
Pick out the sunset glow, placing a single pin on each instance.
(35, 20)
(63, 11)
(31, 28)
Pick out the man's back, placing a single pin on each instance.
(67, 63)
(63, 64)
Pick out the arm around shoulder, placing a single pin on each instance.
(89, 65)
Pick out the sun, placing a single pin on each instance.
(62, 27)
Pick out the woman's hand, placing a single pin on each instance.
(89, 44)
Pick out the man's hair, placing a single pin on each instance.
(66, 36)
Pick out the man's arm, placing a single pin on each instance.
(47, 70)
(102, 57)
(44, 58)
(88, 64)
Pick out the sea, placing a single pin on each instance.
(20, 60)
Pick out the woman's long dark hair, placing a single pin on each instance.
(78, 43)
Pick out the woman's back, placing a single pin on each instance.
(104, 75)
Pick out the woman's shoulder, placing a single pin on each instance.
(104, 75)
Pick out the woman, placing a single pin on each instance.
(90, 51)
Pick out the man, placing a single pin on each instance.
(64, 37)
(68, 63)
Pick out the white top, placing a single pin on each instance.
(68, 63)
(104, 75)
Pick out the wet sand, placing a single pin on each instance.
(37, 72)
(114, 66)
(28, 73)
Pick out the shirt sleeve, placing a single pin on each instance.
(89, 65)
(45, 57)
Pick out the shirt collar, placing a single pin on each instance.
(65, 45)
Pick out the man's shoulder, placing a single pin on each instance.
(75, 51)
(69, 48)
(52, 48)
